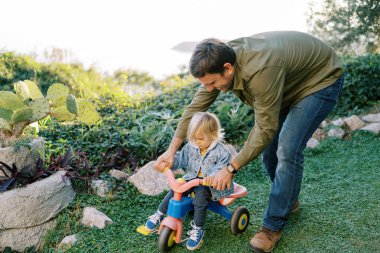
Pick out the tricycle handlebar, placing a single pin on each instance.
(181, 187)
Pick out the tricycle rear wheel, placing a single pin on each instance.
(239, 220)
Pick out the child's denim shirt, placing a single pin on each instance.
(191, 160)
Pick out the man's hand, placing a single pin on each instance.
(165, 160)
(222, 179)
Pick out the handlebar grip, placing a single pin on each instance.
(204, 183)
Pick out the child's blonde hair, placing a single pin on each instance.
(209, 124)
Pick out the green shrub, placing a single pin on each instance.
(236, 118)
(83, 83)
(145, 129)
(361, 88)
(15, 68)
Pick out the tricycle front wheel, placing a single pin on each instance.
(239, 220)
(166, 240)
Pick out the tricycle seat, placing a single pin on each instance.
(239, 191)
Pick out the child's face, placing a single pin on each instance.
(203, 141)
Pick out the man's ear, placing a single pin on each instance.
(228, 68)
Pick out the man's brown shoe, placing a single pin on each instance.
(265, 240)
(296, 207)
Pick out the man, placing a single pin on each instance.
(292, 80)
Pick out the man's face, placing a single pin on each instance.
(222, 82)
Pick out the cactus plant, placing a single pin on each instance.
(28, 105)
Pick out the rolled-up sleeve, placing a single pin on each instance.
(267, 87)
(200, 103)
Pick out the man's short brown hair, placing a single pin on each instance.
(209, 57)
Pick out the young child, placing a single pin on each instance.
(202, 157)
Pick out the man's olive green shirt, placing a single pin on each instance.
(273, 71)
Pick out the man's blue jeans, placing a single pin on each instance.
(283, 158)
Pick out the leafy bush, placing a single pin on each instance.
(28, 105)
(236, 118)
(15, 68)
(83, 83)
(361, 88)
(144, 130)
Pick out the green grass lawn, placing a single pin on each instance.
(340, 208)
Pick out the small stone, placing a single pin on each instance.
(373, 128)
(354, 123)
(67, 242)
(100, 187)
(92, 217)
(118, 174)
(336, 132)
(312, 143)
(339, 122)
(319, 134)
(373, 118)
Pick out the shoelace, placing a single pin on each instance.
(193, 232)
(155, 218)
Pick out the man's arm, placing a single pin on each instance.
(267, 87)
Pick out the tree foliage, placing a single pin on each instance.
(349, 26)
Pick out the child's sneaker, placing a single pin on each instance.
(196, 235)
(153, 221)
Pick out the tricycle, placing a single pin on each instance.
(170, 230)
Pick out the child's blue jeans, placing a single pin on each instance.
(200, 201)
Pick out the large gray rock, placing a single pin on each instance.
(232, 149)
(36, 203)
(149, 181)
(21, 238)
(24, 156)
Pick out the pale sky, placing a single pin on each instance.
(138, 34)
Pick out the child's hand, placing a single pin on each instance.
(165, 160)
(208, 181)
